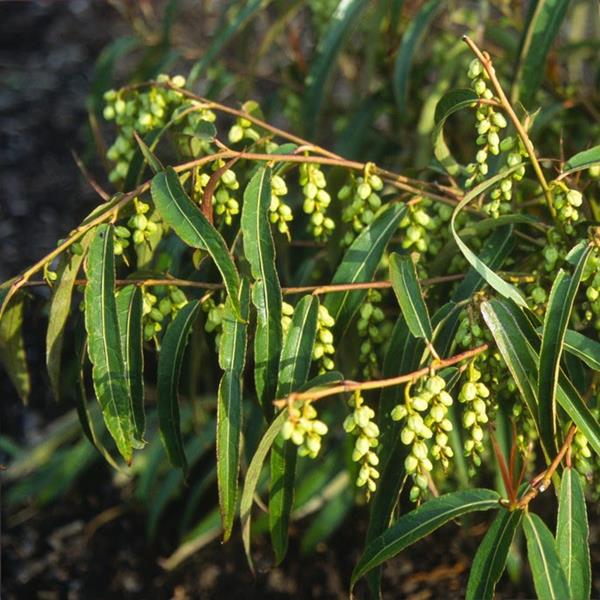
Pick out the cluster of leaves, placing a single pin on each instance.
(367, 259)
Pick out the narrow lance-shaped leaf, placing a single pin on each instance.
(583, 347)
(294, 367)
(410, 40)
(556, 320)
(519, 360)
(501, 286)
(331, 43)
(104, 341)
(12, 347)
(490, 560)
(582, 160)
(60, 305)
(518, 343)
(188, 222)
(360, 263)
(572, 535)
(129, 314)
(232, 358)
(408, 291)
(169, 369)
(548, 575)
(418, 523)
(449, 103)
(252, 475)
(495, 250)
(259, 249)
(543, 22)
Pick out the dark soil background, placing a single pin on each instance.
(47, 53)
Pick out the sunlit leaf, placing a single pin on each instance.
(294, 366)
(548, 575)
(420, 522)
(104, 341)
(232, 358)
(556, 320)
(572, 535)
(583, 160)
(490, 560)
(266, 292)
(193, 228)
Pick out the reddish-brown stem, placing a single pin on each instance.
(541, 482)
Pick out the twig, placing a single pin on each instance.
(313, 289)
(542, 481)
(351, 386)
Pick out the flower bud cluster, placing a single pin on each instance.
(214, 319)
(138, 110)
(554, 251)
(566, 202)
(140, 224)
(418, 226)
(316, 200)
(287, 311)
(432, 400)
(360, 424)
(324, 349)
(474, 395)
(581, 452)
(591, 281)
(225, 205)
(362, 201)
(304, 429)
(280, 212)
(243, 128)
(490, 124)
(155, 310)
(370, 329)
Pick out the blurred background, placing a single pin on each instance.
(73, 527)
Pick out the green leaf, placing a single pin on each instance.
(403, 274)
(231, 25)
(450, 103)
(490, 560)
(294, 366)
(418, 523)
(572, 535)
(556, 320)
(259, 249)
(169, 369)
(232, 358)
(495, 250)
(583, 347)
(410, 40)
(60, 305)
(12, 347)
(543, 22)
(193, 228)
(252, 475)
(129, 315)
(339, 26)
(501, 286)
(104, 341)
(548, 576)
(360, 263)
(582, 160)
(516, 352)
(148, 155)
(518, 343)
